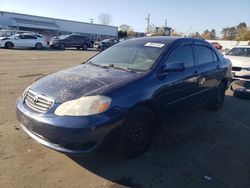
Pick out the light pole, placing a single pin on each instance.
(148, 22)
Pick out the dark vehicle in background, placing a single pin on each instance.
(69, 41)
(106, 43)
(124, 93)
(216, 45)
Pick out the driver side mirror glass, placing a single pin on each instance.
(174, 67)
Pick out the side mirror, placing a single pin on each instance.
(172, 67)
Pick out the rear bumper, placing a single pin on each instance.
(69, 135)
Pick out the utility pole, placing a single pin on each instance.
(91, 20)
(148, 22)
(166, 21)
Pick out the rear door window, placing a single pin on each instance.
(182, 54)
(28, 37)
(204, 55)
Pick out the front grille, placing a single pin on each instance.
(236, 68)
(37, 102)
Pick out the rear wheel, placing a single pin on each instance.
(9, 45)
(62, 46)
(217, 101)
(38, 46)
(137, 133)
(84, 46)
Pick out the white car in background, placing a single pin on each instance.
(23, 41)
(240, 58)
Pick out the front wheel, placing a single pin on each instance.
(137, 133)
(217, 101)
(9, 45)
(38, 46)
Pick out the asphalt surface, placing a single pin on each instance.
(201, 149)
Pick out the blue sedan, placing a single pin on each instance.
(123, 93)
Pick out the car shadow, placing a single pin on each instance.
(183, 154)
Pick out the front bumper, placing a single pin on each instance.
(241, 75)
(54, 44)
(69, 135)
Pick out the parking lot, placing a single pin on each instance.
(201, 149)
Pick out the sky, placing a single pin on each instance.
(182, 15)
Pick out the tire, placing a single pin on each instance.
(217, 101)
(91, 44)
(137, 133)
(242, 93)
(104, 47)
(62, 46)
(84, 46)
(78, 48)
(38, 46)
(9, 45)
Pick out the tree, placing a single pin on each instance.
(122, 34)
(213, 34)
(195, 35)
(206, 34)
(105, 19)
(242, 30)
(125, 27)
(230, 33)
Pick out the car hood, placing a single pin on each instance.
(80, 81)
(239, 61)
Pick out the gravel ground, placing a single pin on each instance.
(201, 149)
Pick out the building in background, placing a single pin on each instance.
(51, 27)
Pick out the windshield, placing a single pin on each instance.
(133, 55)
(63, 36)
(244, 52)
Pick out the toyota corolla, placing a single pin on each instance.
(124, 92)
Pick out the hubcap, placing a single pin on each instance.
(138, 131)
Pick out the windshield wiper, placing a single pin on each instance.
(119, 68)
(91, 63)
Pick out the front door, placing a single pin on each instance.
(180, 88)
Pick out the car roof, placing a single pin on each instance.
(167, 40)
(243, 46)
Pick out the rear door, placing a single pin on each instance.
(27, 41)
(180, 88)
(209, 70)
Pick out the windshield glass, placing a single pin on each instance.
(244, 52)
(63, 36)
(134, 55)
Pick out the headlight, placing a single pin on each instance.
(84, 106)
(247, 68)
